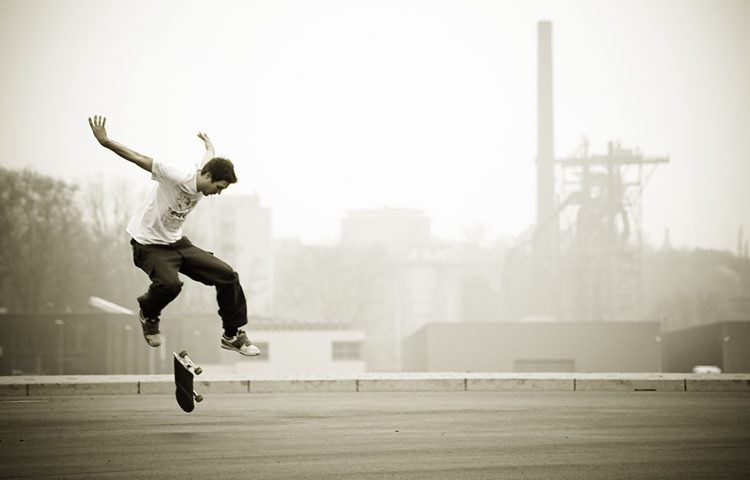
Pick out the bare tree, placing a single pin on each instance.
(106, 206)
(42, 243)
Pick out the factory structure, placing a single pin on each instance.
(584, 260)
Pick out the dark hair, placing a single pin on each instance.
(220, 169)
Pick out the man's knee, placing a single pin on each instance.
(230, 277)
(227, 278)
(170, 287)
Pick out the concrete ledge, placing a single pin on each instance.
(81, 388)
(217, 385)
(14, 390)
(411, 382)
(727, 383)
(220, 386)
(630, 383)
(82, 385)
(156, 385)
(303, 385)
(411, 385)
(521, 382)
(372, 382)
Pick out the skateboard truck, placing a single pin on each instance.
(184, 372)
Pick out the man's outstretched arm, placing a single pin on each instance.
(97, 126)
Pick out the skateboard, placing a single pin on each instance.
(184, 372)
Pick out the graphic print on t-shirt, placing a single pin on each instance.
(173, 219)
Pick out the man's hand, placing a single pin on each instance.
(209, 149)
(206, 140)
(97, 126)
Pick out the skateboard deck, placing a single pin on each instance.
(184, 372)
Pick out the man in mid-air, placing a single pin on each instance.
(160, 249)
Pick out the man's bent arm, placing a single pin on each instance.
(97, 127)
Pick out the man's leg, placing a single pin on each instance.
(203, 267)
(161, 263)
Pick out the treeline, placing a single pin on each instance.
(686, 288)
(61, 244)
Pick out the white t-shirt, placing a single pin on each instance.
(159, 218)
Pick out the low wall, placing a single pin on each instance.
(402, 382)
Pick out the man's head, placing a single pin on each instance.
(215, 176)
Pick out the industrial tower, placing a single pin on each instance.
(600, 218)
(545, 295)
(584, 261)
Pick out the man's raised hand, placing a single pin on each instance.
(206, 140)
(97, 126)
(209, 149)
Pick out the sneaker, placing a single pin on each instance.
(240, 343)
(150, 330)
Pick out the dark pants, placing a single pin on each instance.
(163, 262)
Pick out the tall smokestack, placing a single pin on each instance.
(545, 296)
(547, 226)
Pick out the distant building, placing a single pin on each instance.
(725, 344)
(535, 347)
(395, 229)
(414, 291)
(303, 351)
(434, 283)
(431, 288)
(58, 344)
(288, 347)
(237, 229)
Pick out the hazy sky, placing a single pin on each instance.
(328, 106)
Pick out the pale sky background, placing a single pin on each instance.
(328, 106)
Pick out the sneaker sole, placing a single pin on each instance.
(150, 343)
(234, 349)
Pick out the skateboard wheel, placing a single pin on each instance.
(183, 354)
(199, 398)
(198, 371)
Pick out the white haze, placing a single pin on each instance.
(328, 106)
